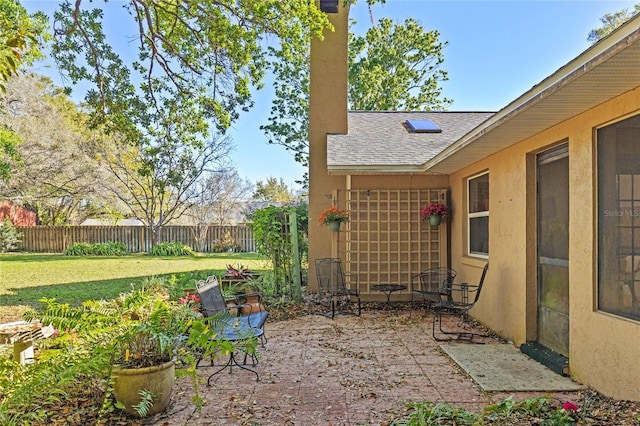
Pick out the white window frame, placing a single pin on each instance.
(473, 215)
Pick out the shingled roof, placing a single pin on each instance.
(379, 141)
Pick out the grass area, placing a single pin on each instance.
(26, 278)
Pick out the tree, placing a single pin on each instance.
(20, 35)
(19, 45)
(159, 183)
(196, 63)
(391, 67)
(54, 175)
(610, 22)
(201, 57)
(273, 190)
(217, 197)
(396, 67)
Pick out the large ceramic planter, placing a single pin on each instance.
(128, 382)
(334, 226)
(435, 220)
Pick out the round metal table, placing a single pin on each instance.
(387, 289)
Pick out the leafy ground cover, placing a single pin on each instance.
(26, 278)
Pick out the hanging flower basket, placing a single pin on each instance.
(434, 213)
(332, 217)
(334, 225)
(435, 220)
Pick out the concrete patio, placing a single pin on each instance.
(347, 371)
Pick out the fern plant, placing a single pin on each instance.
(138, 329)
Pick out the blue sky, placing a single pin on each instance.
(496, 51)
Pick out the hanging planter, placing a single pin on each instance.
(434, 213)
(332, 217)
(334, 225)
(435, 220)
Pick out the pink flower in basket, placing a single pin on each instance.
(434, 209)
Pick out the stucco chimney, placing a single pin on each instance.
(327, 114)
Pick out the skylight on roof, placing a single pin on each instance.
(423, 126)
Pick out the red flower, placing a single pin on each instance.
(333, 214)
(436, 209)
(191, 298)
(570, 406)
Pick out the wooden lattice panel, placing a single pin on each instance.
(386, 241)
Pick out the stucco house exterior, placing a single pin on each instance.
(547, 190)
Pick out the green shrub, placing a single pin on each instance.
(79, 249)
(172, 249)
(109, 249)
(10, 237)
(96, 249)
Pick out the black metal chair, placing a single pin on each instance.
(334, 283)
(426, 285)
(457, 300)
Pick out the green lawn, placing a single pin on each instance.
(26, 278)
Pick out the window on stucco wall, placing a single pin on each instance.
(619, 218)
(478, 215)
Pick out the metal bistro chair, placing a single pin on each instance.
(236, 323)
(332, 282)
(213, 301)
(462, 298)
(427, 284)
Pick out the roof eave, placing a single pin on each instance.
(458, 156)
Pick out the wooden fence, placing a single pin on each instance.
(56, 239)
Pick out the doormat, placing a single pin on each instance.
(504, 368)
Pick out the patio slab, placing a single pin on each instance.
(347, 371)
(502, 367)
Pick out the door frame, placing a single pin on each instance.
(558, 152)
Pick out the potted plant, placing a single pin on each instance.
(141, 338)
(332, 217)
(433, 213)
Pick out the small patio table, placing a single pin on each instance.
(387, 289)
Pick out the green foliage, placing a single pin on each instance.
(20, 35)
(271, 233)
(146, 401)
(611, 21)
(28, 390)
(194, 65)
(507, 411)
(172, 249)
(9, 142)
(28, 277)
(393, 67)
(396, 67)
(19, 38)
(138, 329)
(10, 237)
(273, 190)
(96, 249)
(428, 413)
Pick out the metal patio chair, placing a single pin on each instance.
(457, 300)
(335, 284)
(426, 285)
(213, 301)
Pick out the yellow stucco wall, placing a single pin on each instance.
(604, 350)
(327, 114)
